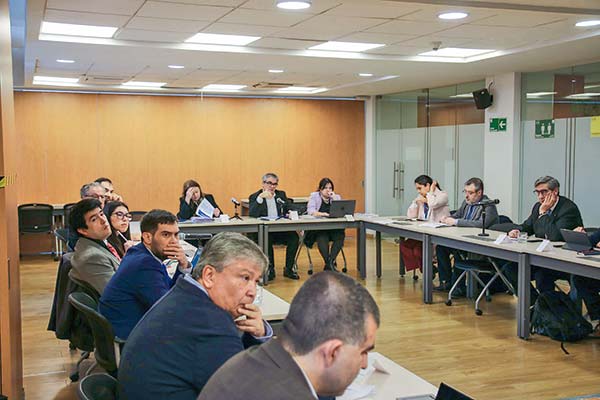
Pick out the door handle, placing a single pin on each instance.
(401, 178)
(395, 180)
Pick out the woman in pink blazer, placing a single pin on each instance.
(319, 204)
(431, 204)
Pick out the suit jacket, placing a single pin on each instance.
(475, 221)
(93, 263)
(138, 283)
(315, 201)
(260, 210)
(187, 211)
(565, 215)
(266, 372)
(438, 207)
(178, 345)
(595, 238)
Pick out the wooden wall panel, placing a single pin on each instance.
(149, 145)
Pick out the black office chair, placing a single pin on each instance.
(137, 215)
(107, 352)
(97, 387)
(36, 218)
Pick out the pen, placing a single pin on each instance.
(122, 236)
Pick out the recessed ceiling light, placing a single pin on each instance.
(276, 71)
(593, 22)
(142, 84)
(293, 4)
(78, 30)
(346, 46)
(365, 74)
(216, 38)
(300, 90)
(222, 88)
(53, 79)
(62, 61)
(456, 52)
(176, 66)
(453, 15)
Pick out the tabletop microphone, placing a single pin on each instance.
(234, 201)
(280, 201)
(487, 202)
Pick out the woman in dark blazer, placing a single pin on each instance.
(190, 199)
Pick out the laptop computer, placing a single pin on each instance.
(339, 208)
(578, 241)
(445, 392)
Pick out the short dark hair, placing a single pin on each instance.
(478, 183)
(103, 179)
(426, 180)
(77, 213)
(324, 182)
(153, 218)
(549, 180)
(328, 306)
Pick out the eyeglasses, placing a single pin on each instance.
(469, 191)
(541, 192)
(96, 196)
(122, 215)
(271, 183)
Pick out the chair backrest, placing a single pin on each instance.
(67, 214)
(35, 218)
(104, 338)
(137, 215)
(97, 387)
(83, 286)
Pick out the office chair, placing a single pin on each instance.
(304, 244)
(37, 218)
(137, 215)
(107, 353)
(97, 387)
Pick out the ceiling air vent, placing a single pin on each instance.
(103, 80)
(271, 85)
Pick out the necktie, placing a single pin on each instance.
(113, 251)
(425, 210)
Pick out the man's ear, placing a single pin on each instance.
(147, 237)
(329, 351)
(208, 276)
(82, 231)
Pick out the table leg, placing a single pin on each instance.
(401, 266)
(523, 293)
(378, 253)
(427, 270)
(263, 243)
(361, 250)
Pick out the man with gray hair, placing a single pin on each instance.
(324, 342)
(93, 190)
(549, 215)
(193, 329)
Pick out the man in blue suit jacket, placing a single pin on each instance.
(146, 273)
(189, 333)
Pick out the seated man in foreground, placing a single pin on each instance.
(147, 272)
(193, 330)
(324, 342)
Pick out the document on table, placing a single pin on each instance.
(205, 209)
(359, 389)
(432, 225)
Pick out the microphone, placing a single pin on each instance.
(234, 201)
(279, 201)
(487, 202)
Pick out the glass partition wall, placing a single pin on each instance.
(438, 132)
(558, 136)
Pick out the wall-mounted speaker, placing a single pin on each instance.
(483, 98)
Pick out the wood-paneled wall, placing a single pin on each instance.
(149, 145)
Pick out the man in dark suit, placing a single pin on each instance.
(272, 203)
(588, 289)
(146, 273)
(324, 342)
(194, 328)
(549, 215)
(94, 260)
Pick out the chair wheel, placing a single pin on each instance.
(344, 270)
(478, 312)
(448, 302)
(401, 276)
(415, 278)
(310, 272)
(74, 377)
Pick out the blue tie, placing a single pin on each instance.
(425, 209)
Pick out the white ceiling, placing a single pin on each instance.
(528, 35)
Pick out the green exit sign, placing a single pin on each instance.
(498, 125)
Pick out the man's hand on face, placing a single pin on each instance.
(253, 324)
(549, 202)
(175, 251)
(266, 194)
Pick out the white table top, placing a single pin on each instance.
(400, 382)
(273, 307)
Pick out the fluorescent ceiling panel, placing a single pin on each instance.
(56, 79)
(456, 52)
(55, 28)
(142, 84)
(215, 38)
(222, 88)
(346, 46)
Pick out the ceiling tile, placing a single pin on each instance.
(211, 74)
(523, 19)
(52, 68)
(182, 11)
(381, 9)
(367, 37)
(323, 27)
(316, 8)
(477, 31)
(122, 7)
(116, 68)
(224, 3)
(399, 50)
(262, 17)
(240, 29)
(151, 36)
(83, 18)
(166, 25)
(290, 44)
(429, 13)
(410, 27)
(426, 41)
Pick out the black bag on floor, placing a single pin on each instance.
(556, 316)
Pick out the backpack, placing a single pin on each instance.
(556, 316)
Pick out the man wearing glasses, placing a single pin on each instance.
(272, 203)
(549, 215)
